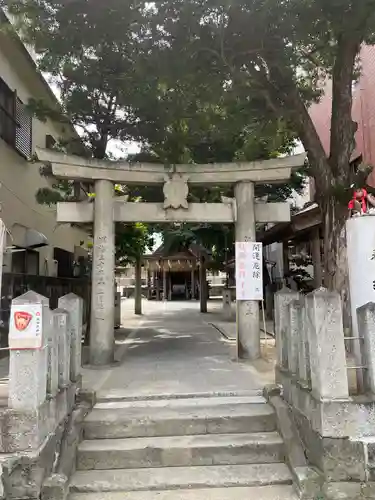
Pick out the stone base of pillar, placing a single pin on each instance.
(248, 330)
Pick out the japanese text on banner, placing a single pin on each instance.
(249, 271)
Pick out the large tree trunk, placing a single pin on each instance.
(335, 255)
(332, 174)
(334, 218)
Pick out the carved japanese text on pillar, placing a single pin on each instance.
(176, 191)
(99, 276)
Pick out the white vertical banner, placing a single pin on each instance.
(249, 271)
(3, 236)
(360, 237)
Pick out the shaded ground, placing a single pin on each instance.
(175, 349)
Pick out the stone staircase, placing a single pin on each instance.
(201, 448)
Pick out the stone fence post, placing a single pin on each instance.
(329, 378)
(227, 303)
(73, 305)
(117, 309)
(62, 329)
(366, 330)
(40, 428)
(29, 335)
(53, 358)
(282, 323)
(293, 335)
(45, 369)
(304, 372)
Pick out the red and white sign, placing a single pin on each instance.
(25, 329)
(249, 271)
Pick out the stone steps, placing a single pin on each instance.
(188, 447)
(220, 449)
(115, 420)
(124, 396)
(279, 492)
(176, 478)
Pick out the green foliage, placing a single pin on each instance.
(132, 241)
(222, 127)
(298, 264)
(229, 139)
(94, 53)
(274, 55)
(271, 53)
(184, 77)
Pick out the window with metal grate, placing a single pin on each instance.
(23, 143)
(15, 121)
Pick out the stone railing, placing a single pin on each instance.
(337, 429)
(44, 380)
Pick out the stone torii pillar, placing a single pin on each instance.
(103, 277)
(247, 310)
(203, 292)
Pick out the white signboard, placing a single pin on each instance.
(25, 326)
(360, 235)
(249, 271)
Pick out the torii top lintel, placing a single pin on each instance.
(82, 169)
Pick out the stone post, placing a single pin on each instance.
(74, 306)
(158, 285)
(103, 277)
(282, 324)
(149, 284)
(329, 378)
(304, 374)
(28, 366)
(62, 331)
(294, 334)
(138, 288)
(203, 284)
(164, 284)
(117, 299)
(366, 329)
(169, 286)
(227, 303)
(247, 310)
(53, 358)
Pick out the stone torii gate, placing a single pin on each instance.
(108, 209)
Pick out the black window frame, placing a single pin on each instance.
(8, 122)
(15, 122)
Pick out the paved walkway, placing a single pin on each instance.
(174, 349)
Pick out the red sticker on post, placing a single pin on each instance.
(26, 326)
(22, 320)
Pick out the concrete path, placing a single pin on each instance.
(174, 349)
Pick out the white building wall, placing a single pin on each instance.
(20, 179)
